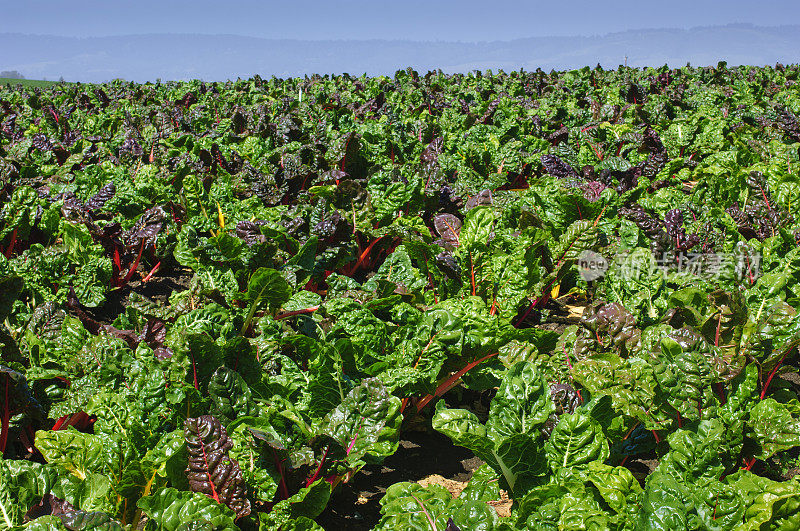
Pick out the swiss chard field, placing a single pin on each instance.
(220, 301)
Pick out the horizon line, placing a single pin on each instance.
(733, 25)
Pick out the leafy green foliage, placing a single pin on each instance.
(410, 506)
(265, 282)
(171, 509)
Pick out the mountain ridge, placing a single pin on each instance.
(147, 57)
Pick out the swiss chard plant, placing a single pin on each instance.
(222, 302)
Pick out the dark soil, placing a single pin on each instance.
(642, 466)
(162, 285)
(356, 505)
(793, 377)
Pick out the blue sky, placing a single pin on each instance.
(462, 20)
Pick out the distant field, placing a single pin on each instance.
(27, 82)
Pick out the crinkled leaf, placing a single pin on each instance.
(230, 395)
(411, 506)
(211, 471)
(86, 521)
(266, 286)
(616, 485)
(308, 502)
(366, 422)
(521, 404)
(775, 427)
(79, 453)
(477, 228)
(576, 441)
(169, 509)
(22, 485)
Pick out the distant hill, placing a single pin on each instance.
(219, 57)
(26, 82)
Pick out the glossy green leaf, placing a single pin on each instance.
(576, 441)
(268, 287)
(775, 427)
(169, 509)
(230, 395)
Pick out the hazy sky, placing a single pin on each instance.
(463, 20)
